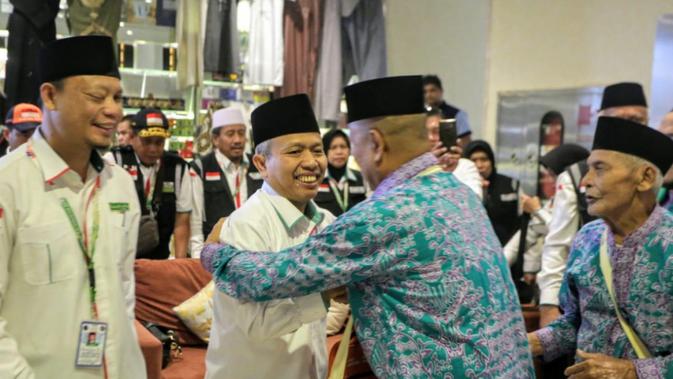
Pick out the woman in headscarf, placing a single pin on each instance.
(342, 187)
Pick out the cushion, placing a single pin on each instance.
(197, 312)
(164, 284)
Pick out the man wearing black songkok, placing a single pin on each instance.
(68, 228)
(616, 295)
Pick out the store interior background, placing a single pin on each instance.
(482, 50)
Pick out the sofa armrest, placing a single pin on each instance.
(152, 351)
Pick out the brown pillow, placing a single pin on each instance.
(163, 284)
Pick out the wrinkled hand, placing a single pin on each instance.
(598, 366)
(448, 158)
(535, 345)
(548, 313)
(214, 236)
(530, 204)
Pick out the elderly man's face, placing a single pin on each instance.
(611, 185)
(295, 166)
(89, 109)
(362, 149)
(633, 113)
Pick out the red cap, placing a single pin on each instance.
(24, 117)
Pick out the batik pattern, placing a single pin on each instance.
(643, 280)
(428, 283)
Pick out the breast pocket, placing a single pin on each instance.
(48, 253)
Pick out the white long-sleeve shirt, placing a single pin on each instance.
(466, 171)
(280, 339)
(537, 229)
(563, 226)
(44, 286)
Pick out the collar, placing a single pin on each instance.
(406, 172)
(52, 165)
(288, 213)
(638, 237)
(141, 165)
(226, 163)
(349, 175)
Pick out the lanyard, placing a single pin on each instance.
(237, 193)
(606, 268)
(149, 189)
(342, 201)
(86, 245)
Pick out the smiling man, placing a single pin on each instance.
(616, 296)
(428, 284)
(68, 228)
(280, 339)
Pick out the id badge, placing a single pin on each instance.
(91, 344)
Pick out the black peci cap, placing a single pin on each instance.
(82, 55)
(563, 156)
(622, 95)
(632, 138)
(392, 96)
(287, 115)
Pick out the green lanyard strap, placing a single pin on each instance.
(342, 201)
(88, 247)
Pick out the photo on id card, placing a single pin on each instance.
(91, 344)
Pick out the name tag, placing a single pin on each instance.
(91, 344)
(358, 190)
(212, 176)
(509, 197)
(255, 175)
(119, 207)
(169, 187)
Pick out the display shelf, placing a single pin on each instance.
(178, 115)
(245, 87)
(147, 71)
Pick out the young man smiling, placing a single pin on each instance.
(282, 339)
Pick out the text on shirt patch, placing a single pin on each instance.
(358, 189)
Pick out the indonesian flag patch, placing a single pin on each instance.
(211, 176)
(154, 119)
(133, 171)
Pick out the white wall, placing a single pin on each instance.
(443, 37)
(545, 44)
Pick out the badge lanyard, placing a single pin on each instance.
(237, 186)
(87, 245)
(149, 191)
(342, 201)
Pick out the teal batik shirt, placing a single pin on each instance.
(642, 273)
(428, 283)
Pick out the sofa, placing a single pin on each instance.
(160, 286)
(164, 284)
